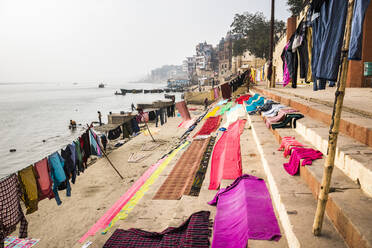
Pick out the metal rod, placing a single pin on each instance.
(105, 153)
(334, 128)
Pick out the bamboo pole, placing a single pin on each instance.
(334, 128)
(104, 153)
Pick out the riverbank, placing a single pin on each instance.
(99, 187)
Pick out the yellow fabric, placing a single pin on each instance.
(212, 113)
(29, 188)
(124, 212)
(212, 95)
(309, 38)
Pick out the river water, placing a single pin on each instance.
(33, 112)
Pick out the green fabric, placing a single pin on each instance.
(225, 108)
(79, 157)
(28, 184)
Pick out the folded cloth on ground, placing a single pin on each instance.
(298, 153)
(288, 143)
(244, 211)
(234, 114)
(243, 98)
(192, 233)
(273, 111)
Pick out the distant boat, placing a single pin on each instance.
(134, 91)
(101, 85)
(120, 93)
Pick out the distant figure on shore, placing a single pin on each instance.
(205, 103)
(99, 117)
(133, 107)
(72, 124)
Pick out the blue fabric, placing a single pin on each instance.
(56, 164)
(73, 152)
(355, 47)
(134, 125)
(58, 175)
(56, 195)
(93, 144)
(255, 104)
(330, 34)
(253, 98)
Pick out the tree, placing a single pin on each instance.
(255, 30)
(295, 6)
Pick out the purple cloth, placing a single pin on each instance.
(298, 153)
(244, 211)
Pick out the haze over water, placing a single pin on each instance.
(33, 112)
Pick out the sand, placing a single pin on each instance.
(96, 190)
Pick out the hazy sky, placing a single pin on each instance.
(109, 40)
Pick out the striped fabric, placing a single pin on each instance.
(192, 233)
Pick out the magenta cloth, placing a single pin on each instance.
(209, 126)
(115, 209)
(288, 143)
(244, 211)
(216, 93)
(298, 153)
(182, 109)
(286, 75)
(226, 160)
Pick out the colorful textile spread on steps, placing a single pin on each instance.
(288, 143)
(124, 212)
(134, 193)
(182, 109)
(212, 113)
(298, 153)
(222, 102)
(15, 242)
(234, 114)
(194, 232)
(241, 99)
(225, 108)
(181, 177)
(200, 174)
(209, 126)
(244, 211)
(226, 158)
(187, 124)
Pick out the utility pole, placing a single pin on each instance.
(271, 65)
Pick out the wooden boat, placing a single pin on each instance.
(101, 85)
(119, 93)
(167, 96)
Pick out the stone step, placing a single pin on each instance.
(353, 124)
(352, 157)
(291, 197)
(346, 200)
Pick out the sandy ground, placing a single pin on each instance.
(96, 190)
(100, 187)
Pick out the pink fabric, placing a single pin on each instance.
(286, 75)
(187, 124)
(216, 93)
(226, 158)
(43, 179)
(307, 154)
(244, 211)
(271, 120)
(288, 110)
(182, 109)
(287, 144)
(115, 209)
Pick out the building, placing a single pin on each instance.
(225, 56)
(241, 63)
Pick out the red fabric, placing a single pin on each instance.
(241, 99)
(209, 126)
(182, 109)
(226, 158)
(43, 179)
